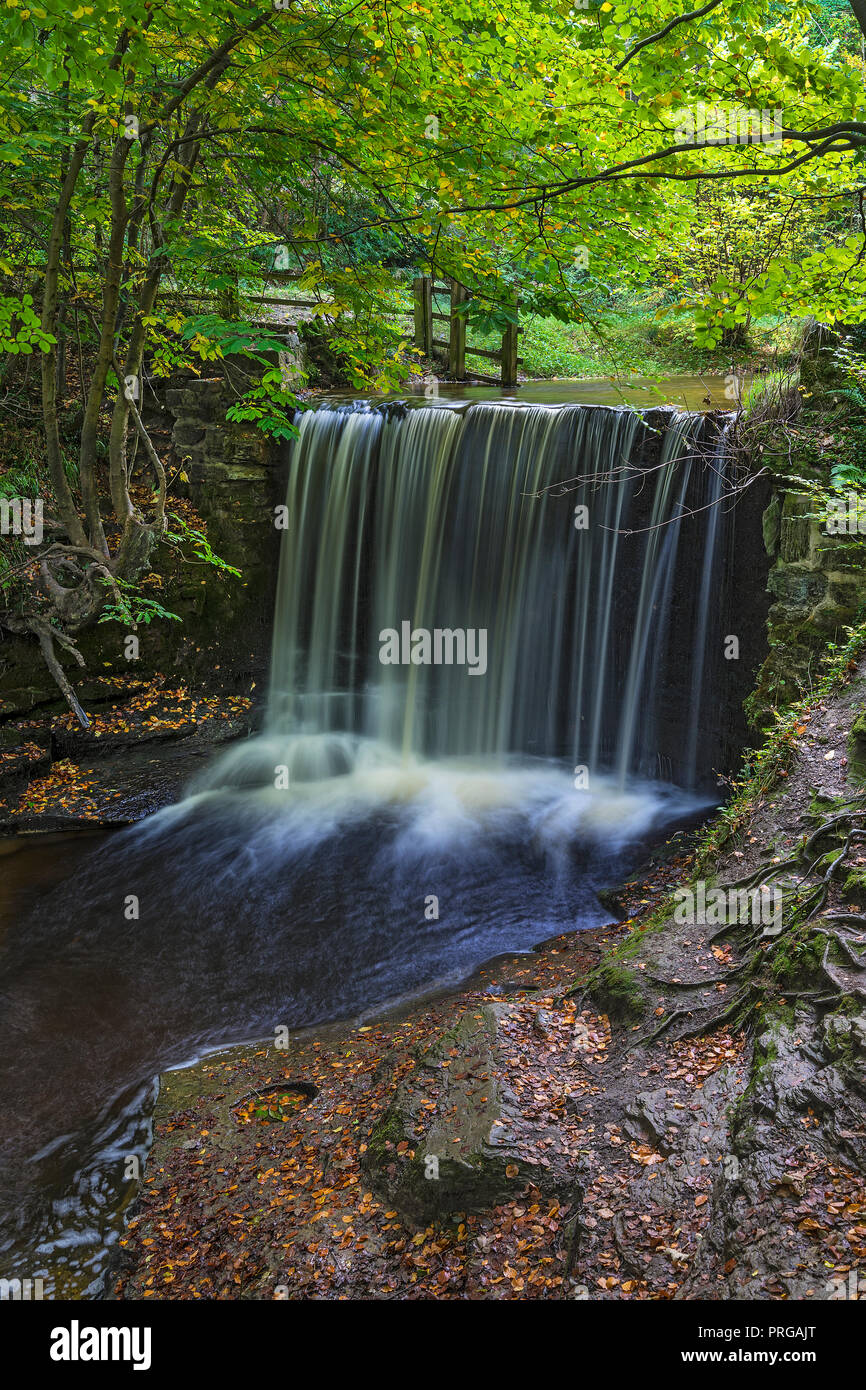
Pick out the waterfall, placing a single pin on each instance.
(581, 541)
(399, 822)
(473, 606)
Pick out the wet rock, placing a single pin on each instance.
(857, 747)
(771, 526)
(611, 903)
(801, 1117)
(542, 1023)
(653, 1117)
(127, 783)
(448, 1144)
(845, 1036)
(22, 699)
(19, 766)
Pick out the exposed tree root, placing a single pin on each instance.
(842, 986)
(756, 947)
(717, 1017)
(855, 918)
(698, 984)
(843, 945)
(46, 635)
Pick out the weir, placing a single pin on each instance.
(396, 824)
(587, 542)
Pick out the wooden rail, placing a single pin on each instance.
(425, 288)
(192, 297)
(424, 314)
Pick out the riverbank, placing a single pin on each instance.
(653, 1110)
(146, 740)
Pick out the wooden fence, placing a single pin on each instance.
(229, 300)
(426, 289)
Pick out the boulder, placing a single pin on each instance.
(448, 1142)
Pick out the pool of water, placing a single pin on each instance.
(244, 909)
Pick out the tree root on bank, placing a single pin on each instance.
(699, 984)
(843, 945)
(757, 948)
(761, 874)
(74, 608)
(831, 824)
(704, 1025)
(843, 986)
(46, 635)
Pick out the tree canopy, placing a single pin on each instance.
(540, 150)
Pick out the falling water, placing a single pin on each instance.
(394, 826)
(472, 521)
(714, 493)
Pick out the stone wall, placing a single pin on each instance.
(235, 476)
(818, 580)
(817, 585)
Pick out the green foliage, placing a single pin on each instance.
(849, 469)
(131, 607)
(20, 331)
(186, 535)
(488, 318)
(269, 406)
(487, 145)
(239, 339)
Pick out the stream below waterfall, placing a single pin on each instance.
(401, 819)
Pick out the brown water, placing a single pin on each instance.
(683, 392)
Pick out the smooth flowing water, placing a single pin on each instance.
(509, 522)
(401, 819)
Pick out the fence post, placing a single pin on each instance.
(423, 288)
(508, 376)
(457, 336)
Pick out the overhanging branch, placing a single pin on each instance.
(663, 33)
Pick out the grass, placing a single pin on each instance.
(764, 766)
(635, 342)
(628, 339)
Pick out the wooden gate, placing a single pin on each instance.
(426, 289)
